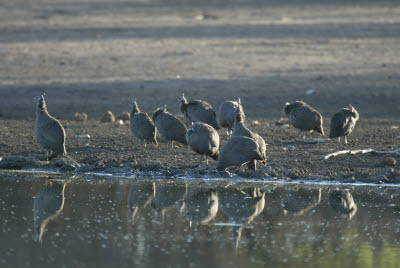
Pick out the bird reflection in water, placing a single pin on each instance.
(168, 195)
(242, 206)
(201, 205)
(140, 195)
(48, 204)
(301, 200)
(342, 202)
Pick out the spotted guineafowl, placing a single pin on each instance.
(204, 140)
(304, 117)
(240, 129)
(227, 114)
(47, 205)
(171, 127)
(343, 123)
(49, 131)
(198, 111)
(142, 126)
(238, 151)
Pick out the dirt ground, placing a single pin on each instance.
(92, 56)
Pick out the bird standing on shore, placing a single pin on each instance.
(343, 123)
(304, 117)
(204, 140)
(240, 129)
(227, 114)
(171, 127)
(237, 151)
(49, 131)
(142, 126)
(198, 111)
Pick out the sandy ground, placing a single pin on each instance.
(92, 56)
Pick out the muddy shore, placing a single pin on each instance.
(95, 56)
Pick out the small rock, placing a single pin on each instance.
(291, 148)
(107, 117)
(81, 117)
(398, 137)
(282, 121)
(66, 164)
(313, 140)
(270, 171)
(127, 123)
(255, 123)
(285, 126)
(124, 116)
(83, 136)
(119, 122)
(225, 174)
(395, 127)
(311, 91)
(389, 161)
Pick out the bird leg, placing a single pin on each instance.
(345, 139)
(172, 144)
(338, 139)
(206, 160)
(201, 158)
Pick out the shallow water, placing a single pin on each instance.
(87, 221)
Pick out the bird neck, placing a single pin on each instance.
(41, 109)
(135, 110)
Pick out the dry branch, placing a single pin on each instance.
(364, 151)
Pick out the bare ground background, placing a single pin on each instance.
(92, 56)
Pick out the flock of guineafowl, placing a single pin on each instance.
(244, 146)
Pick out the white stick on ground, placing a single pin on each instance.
(365, 151)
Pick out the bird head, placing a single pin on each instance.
(354, 112)
(191, 128)
(182, 99)
(40, 100)
(133, 103)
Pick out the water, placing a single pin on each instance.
(52, 221)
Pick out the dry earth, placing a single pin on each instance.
(92, 56)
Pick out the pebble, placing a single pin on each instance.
(107, 117)
(225, 174)
(81, 117)
(124, 116)
(389, 161)
(255, 123)
(83, 136)
(282, 121)
(311, 91)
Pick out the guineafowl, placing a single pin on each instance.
(201, 205)
(47, 205)
(168, 195)
(301, 200)
(237, 151)
(142, 126)
(227, 114)
(140, 195)
(242, 206)
(49, 131)
(240, 129)
(198, 111)
(342, 202)
(343, 123)
(304, 117)
(171, 127)
(204, 140)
